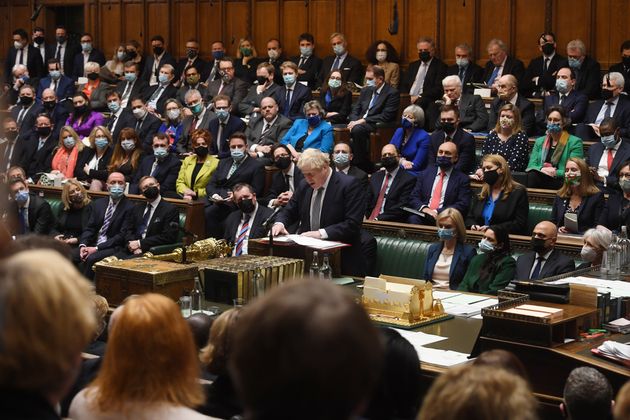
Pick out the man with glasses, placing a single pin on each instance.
(223, 126)
(199, 118)
(227, 84)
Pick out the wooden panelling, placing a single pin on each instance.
(421, 19)
(185, 19)
(459, 27)
(529, 23)
(294, 21)
(133, 23)
(571, 20)
(158, 18)
(323, 15)
(494, 22)
(237, 25)
(110, 13)
(383, 13)
(210, 25)
(359, 36)
(264, 24)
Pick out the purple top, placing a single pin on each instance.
(85, 128)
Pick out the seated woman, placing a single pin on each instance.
(616, 211)
(494, 268)
(172, 126)
(448, 259)
(196, 169)
(221, 398)
(337, 99)
(551, 152)
(114, 70)
(383, 54)
(127, 154)
(95, 89)
(75, 214)
(66, 154)
(508, 139)
(83, 119)
(596, 241)
(578, 196)
(157, 379)
(246, 61)
(311, 133)
(501, 202)
(412, 141)
(93, 161)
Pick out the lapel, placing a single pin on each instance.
(205, 168)
(621, 154)
(456, 255)
(31, 212)
(548, 264)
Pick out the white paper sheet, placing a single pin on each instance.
(443, 294)
(419, 339)
(444, 358)
(462, 299)
(313, 243)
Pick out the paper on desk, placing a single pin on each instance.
(462, 310)
(419, 339)
(443, 294)
(444, 358)
(616, 288)
(462, 299)
(485, 303)
(308, 242)
(571, 222)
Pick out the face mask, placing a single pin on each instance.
(222, 115)
(381, 55)
(131, 54)
(289, 79)
(196, 109)
(21, 197)
(562, 85)
(341, 160)
(237, 154)
(246, 52)
(339, 49)
(17, 45)
(548, 49)
(538, 245)
(389, 163)
(588, 254)
(624, 184)
(314, 120)
(444, 162)
(445, 234)
(491, 177)
(192, 80)
(201, 151)
(163, 78)
(116, 191)
(26, 100)
(139, 113)
(160, 152)
(461, 62)
(113, 106)
(158, 50)
(101, 142)
(86, 46)
(506, 122)
(424, 56)
(626, 61)
(370, 83)
(261, 80)
(130, 77)
(11, 134)
(60, 39)
(246, 205)
(573, 181)
(283, 162)
(306, 51)
(173, 114)
(38, 40)
(121, 56)
(554, 128)
(151, 193)
(43, 131)
(190, 53)
(273, 54)
(55, 74)
(574, 63)
(609, 141)
(607, 94)
(49, 105)
(405, 123)
(80, 110)
(69, 142)
(128, 145)
(486, 246)
(76, 198)
(334, 83)
(218, 55)
(448, 126)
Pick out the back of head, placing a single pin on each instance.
(587, 395)
(200, 324)
(216, 353)
(306, 350)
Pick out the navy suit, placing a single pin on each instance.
(300, 95)
(64, 88)
(595, 153)
(166, 174)
(587, 215)
(311, 66)
(396, 198)
(461, 258)
(40, 216)
(138, 88)
(472, 74)
(39, 160)
(256, 229)
(621, 116)
(432, 87)
(159, 230)
(279, 185)
(575, 103)
(556, 264)
(351, 69)
(169, 92)
(232, 125)
(546, 78)
(146, 129)
(616, 212)
(528, 117)
(25, 127)
(589, 79)
(465, 143)
(77, 65)
(512, 66)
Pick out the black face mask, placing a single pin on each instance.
(26, 100)
(389, 163)
(151, 193)
(38, 40)
(424, 56)
(491, 177)
(49, 105)
(11, 135)
(201, 151)
(92, 76)
(607, 94)
(191, 54)
(130, 55)
(80, 110)
(283, 162)
(246, 205)
(261, 80)
(538, 245)
(548, 49)
(448, 127)
(43, 131)
(626, 61)
(158, 50)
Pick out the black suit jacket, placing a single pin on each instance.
(432, 88)
(28, 120)
(528, 118)
(510, 213)
(589, 78)
(595, 154)
(233, 125)
(115, 234)
(249, 171)
(620, 68)
(39, 160)
(301, 95)
(546, 78)
(169, 92)
(34, 63)
(351, 69)
(166, 173)
(256, 229)
(77, 65)
(396, 198)
(159, 230)
(312, 67)
(40, 216)
(340, 104)
(184, 145)
(138, 88)
(21, 155)
(465, 143)
(587, 215)
(236, 90)
(167, 58)
(385, 108)
(457, 194)
(614, 215)
(70, 52)
(575, 103)
(360, 175)
(125, 119)
(279, 185)
(621, 114)
(200, 64)
(85, 156)
(146, 130)
(557, 263)
(512, 66)
(252, 100)
(473, 74)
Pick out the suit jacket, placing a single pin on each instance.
(510, 213)
(124, 119)
(278, 185)
(396, 198)
(39, 160)
(40, 216)
(473, 74)
(252, 100)
(573, 148)
(63, 90)
(528, 119)
(360, 175)
(621, 114)
(21, 155)
(587, 215)
(166, 173)
(98, 97)
(159, 230)
(557, 263)
(146, 130)
(166, 58)
(169, 92)
(138, 88)
(589, 79)
(462, 256)
(512, 66)
(473, 115)
(432, 87)
(200, 64)
(236, 90)
(256, 229)
(114, 233)
(465, 143)
(85, 156)
(546, 78)
(59, 115)
(249, 171)
(232, 125)
(28, 120)
(77, 64)
(614, 215)
(184, 144)
(273, 136)
(351, 69)
(384, 109)
(575, 104)
(70, 52)
(320, 138)
(301, 95)
(340, 104)
(312, 67)
(182, 91)
(595, 153)
(457, 194)
(34, 63)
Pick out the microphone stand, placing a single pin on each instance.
(268, 224)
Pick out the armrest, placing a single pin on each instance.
(165, 249)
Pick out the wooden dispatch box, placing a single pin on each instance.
(116, 280)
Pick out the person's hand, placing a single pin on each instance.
(313, 234)
(86, 251)
(446, 99)
(263, 149)
(300, 71)
(187, 112)
(217, 198)
(562, 229)
(86, 169)
(257, 109)
(295, 156)
(188, 197)
(352, 124)
(278, 229)
(59, 237)
(479, 228)
(188, 191)
(549, 170)
(430, 212)
(413, 99)
(72, 241)
(479, 174)
(406, 164)
(133, 246)
(138, 251)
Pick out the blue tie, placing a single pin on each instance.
(145, 220)
(537, 268)
(22, 220)
(494, 75)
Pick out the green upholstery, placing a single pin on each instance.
(401, 257)
(537, 213)
(56, 205)
(164, 249)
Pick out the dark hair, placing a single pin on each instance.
(609, 122)
(449, 108)
(545, 35)
(38, 29)
(277, 40)
(87, 34)
(560, 110)
(347, 143)
(378, 71)
(21, 32)
(81, 94)
(112, 92)
(137, 98)
(131, 63)
(573, 75)
(280, 146)
(32, 241)
(61, 27)
(239, 135)
(489, 268)
(587, 394)
(193, 39)
(242, 185)
(341, 91)
(625, 45)
(306, 37)
(392, 54)
(200, 324)
(158, 38)
(160, 136)
(227, 58)
(222, 98)
(52, 61)
(623, 165)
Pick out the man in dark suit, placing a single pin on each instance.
(32, 213)
(540, 76)
(64, 51)
(247, 222)
(149, 224)
(351, 68)
(199, 119)
(429, 195)
(276, 58)
(146, 124)
(624, 66)
(450, 131)
(465, 68)
(285, 181)
(608, 155)
(544, 260)
(88, 53)
(132, 86)
(266, 131)
(155, 61)
(13, 151)
(264, 87)
(586, 69)
(62, 85)
(39, 43)
(377, 104)
(309, 65)
(473, 115)
(120, 117)
(342, 159)
(238, 168)
(218, 52)
(293, 94)
(227, 84)
(21, 52)
(192, 59)
(156, 95)
(58, 111)
(501, 64)
(574, 102)
(191, 80)
(328, 205)
(26, 110)
(389, 189)
(104, 235)
(161, 165)
(40, 147)
(223, 126)
(424, 77)
(507, 88)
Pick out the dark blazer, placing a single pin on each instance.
(40, 216)
(21, 155)
(70, 52)
(256, 229)
(360, 175)
(170, 91)
(39, 160)
(510, 213)
(146, 130)
(528, 119)
(385, 108)
(252, 100)
(233, 125)
(340, 104)
(432, 88)
(465, 143)
(546, 78)
(614, 215)
(473, 115)
(236, 90)
(115, 233)
(95, 55)
(59, 115)
(457, 193)
(184, 144)
(138, 88)
(159, 230)
(621, 114)
(167, 58)
(620, 68)
(512, 66)
(587, 215)
(85, 156)
(575, 104)
(273, 136)
(395, 199)
(166, 173)
(462, 256)
(278, 185)
(183, 90)
(247, 72)
(249, 171)
(124, 119)
(63, 90)
(301, 95)
(61, 225)
(473, 74)
(589, 79)
(595, 154)
(312, 67)
(351, 69)
(557, 263)
(200, 64)
(34, 63)
(28, 121)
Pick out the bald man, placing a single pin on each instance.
(507, 93)
(544, 260)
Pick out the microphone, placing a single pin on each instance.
(267, 222)
(175, 225)
(36, 12)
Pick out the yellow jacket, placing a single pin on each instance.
(185, 175)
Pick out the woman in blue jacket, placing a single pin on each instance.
(448, 259)
(310, 133)
(411, 140)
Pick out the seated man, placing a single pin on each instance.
(236, 169)
(266, 131)
(608, 155)
(227, 84)
(500, 63)
(132, 86)
(120, 116)
(199, 118)
(544, 260)
(61, 85)
(587, 70)
(264, 87)
(149, 224)
(160, 164)
(103, 235)
(343, 157)
(329, 205)
(507, 88)
(424, 77)
(285, 181)
(19, 78)
(223, 126)
(574, 102)
(378, 103)
(389, 189)
(450, 130)
(40, 147)
(309, 65)
(156, 95)
(540, 76)
(247, 221)
(57, 110)
(430, 196)
(587, 395)
(12, 151)
(191, 81)
(351, 68)
(623, 66)
(32, 213)
(146, 124)
(473, 115)
(465, 68)
(25, 111)
(293, 95)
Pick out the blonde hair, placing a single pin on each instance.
(215, 354)
(621, 409)
(101, 307)
(105, 132)
(46, 319)
(313, 159)
(65, 193)
(77, 140)
(587, 186)
(251, 43)
(456, 217)
(507, 183)
(518, 127)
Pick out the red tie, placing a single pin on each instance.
(437, 194)
(381, 198)
(610, 159)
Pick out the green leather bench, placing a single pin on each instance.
(401, 257)
(537, 213)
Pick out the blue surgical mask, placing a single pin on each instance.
(314, 120)
(574, 63)
(101, 142)
(113, 106)
(128, 145)
(69, 142)
(55, 74)
(445, 234)
(405, 123)
(160, 152)
(339, 49)
(86, 46)
(116, 191)
(486, 246)
(370, 83)
(222, 114)
(341, 159)
(289, 79)
(562, 85)
(554, 128)
(130, 77)
(609, 141)
(334, 83)
(237, 154)
(306, 51)
(163, 78)
(21, 196)
(218, 55)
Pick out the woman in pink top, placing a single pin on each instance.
(83, 119)
(65, 158)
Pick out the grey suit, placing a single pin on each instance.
(183, 145)
(236, 90)
(557, 263)
(273, 134)
(472, 113)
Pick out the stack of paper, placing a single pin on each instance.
(621, 325)
(463, 305)
(444, 358)
(615, 350)
(616, 288)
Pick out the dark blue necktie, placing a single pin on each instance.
(537, 268)
(145, 220)
(22, 220)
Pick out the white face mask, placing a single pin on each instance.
(588, 253)
(381, 55)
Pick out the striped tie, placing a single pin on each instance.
(102, 233)
(242, 235)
